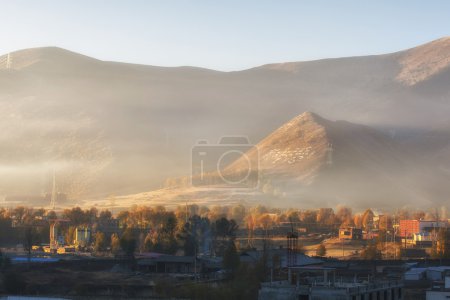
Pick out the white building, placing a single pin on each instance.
(440, 292)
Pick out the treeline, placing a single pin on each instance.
(190, 228)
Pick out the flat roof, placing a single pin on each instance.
(312, 268)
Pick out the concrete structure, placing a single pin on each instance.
(350, 233)
(162, 263)
(437, 273)
(439, 291)
(315, 287)
(82, 236)
(277, 258)
(415, 274)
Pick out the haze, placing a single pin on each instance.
(93, 110)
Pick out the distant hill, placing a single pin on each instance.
(313, 161)
(116, 128)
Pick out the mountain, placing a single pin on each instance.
(314, 160)
(311, 161)
(115, 128)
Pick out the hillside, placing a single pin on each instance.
(132, 126)
(311, 161)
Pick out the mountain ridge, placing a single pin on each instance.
(144, 120)
(55, 51)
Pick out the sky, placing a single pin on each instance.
(223, 35)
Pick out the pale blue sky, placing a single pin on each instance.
(223, 35)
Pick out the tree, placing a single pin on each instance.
(309, 217)
(344, 214)
(418, 215)
(325, 216)
(187, 237)
(440, 248)
(115, 243)
(225, 228)
(5, 262)
(238, 213)
(148, 242)
(367, 219)
(231, 257)
(29, 236)
(371, 252)
(128, 242)
(104, 217)
(100, 242)
(321, 250)
(165, 238)
(51, 215)
(77, 216)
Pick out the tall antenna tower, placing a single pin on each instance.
(54, 194)
(330, 154)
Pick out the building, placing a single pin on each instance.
(162, 263)
(410, 227)
(277, 258)
(440, 290)
(319, 283)
(415, 274)
(82, 236)
(350, 233)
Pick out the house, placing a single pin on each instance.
(410, 227)
(350, 233)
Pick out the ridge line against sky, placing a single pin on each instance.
(226, 36)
